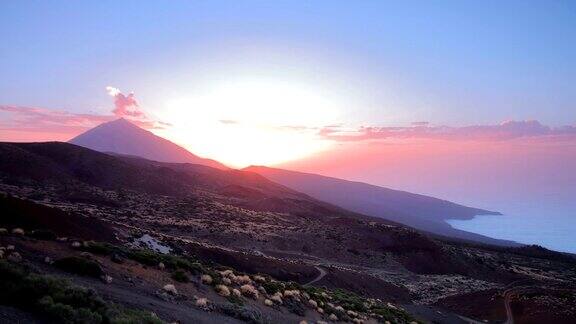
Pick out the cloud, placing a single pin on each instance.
(125, 105)
(504, 131)
(35, 123)
(19, 123)
(30, 116)
(228, 121)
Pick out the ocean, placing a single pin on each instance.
(552, 226)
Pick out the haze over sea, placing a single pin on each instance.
(532, 222)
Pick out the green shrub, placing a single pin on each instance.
(60, 301)
(180, 276)
(100, 248)
(295, 307)
(145, 257)
(392, 315)
(122, 315)
(349, 300)
(315, 293)
(80, 266)
(58, 310)
(244, 314)
(235, 299)
(272, 287)
(177, 262)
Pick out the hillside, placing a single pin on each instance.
(211, 220)
(418, 211)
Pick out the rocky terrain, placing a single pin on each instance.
(304, 259)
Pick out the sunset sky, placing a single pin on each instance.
(245, 82)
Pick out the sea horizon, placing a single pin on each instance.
(538, 223)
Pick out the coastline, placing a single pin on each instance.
(549, 232)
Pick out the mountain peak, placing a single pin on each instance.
(120, 122)
(121, 136)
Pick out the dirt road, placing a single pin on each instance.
(318, 278)
(509, 315)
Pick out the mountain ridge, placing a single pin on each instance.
(416, 210)
(123, 137)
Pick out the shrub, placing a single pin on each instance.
(99, 248)
(18, 231)
(295, 307)
(170, 288)
(242, 313)
(242, 280)
(59, 310)
(392, 315)
(277, 297)
(121, 315)
(206, 279)
(272, 287)
(176, 262)
(349, 300)
(59, 301)
(80, 266)
(46, 235)
(223, 290)
(145, 257)
(250, 291)
(236, 297)
(180, 276)
(202, 302)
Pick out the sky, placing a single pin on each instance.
(260, 82)
(470, 101)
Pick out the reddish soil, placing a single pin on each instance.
(21, 213)
(363, 284)
(487, 304)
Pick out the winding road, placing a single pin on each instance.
(509, 315)
(318, 278)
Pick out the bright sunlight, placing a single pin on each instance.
(249, 122)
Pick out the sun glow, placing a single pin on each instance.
(250, 122)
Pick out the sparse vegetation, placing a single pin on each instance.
(80, 266)
(295, 307)
(235, 298)
(60, 301)
(272, 287)
(46, 235)
(349, 300)
(242, 237)
(100, 248)
(244, 314)
(180, 276)
(393, 315)
(249, 291)
(350, 304)
(144, 256)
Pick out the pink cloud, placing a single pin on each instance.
(19, 123)
(504, 131)
(31, 123)
(125, 105)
